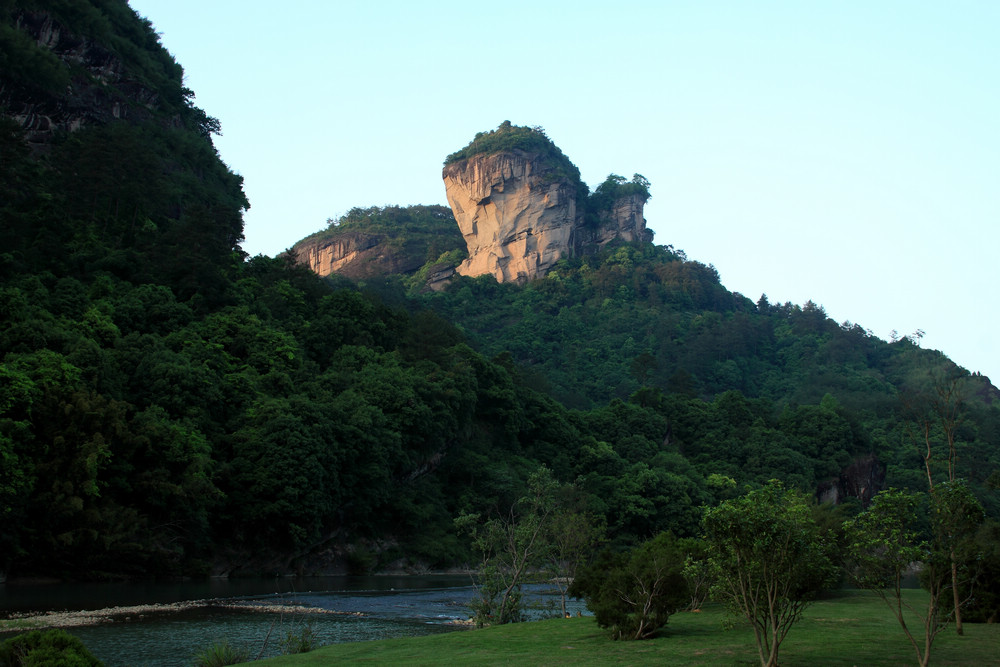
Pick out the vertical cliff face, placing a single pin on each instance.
(623, 221)
(516, 211)
(353, 255)
(522, 207)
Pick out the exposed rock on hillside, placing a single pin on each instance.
(382, 241)
(622, 221)
(355, 255)
(862, 479)
(518, 215)
(519, 205)
(522, 207)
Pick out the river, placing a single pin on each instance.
(351, 609)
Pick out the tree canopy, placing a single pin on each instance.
(170, 406)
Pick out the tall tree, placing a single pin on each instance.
(882, 544)
(939, 412)
(512, 546)
(768, 560)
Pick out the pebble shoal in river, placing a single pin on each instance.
(65, 619)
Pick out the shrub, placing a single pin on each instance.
(300, 642)
(46, 648)
(634, 594)
(221, 653)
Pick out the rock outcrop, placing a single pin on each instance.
(518, 215)
(622, 221)
(862, 479)
(389, 240)
(522, 207)
(519, 206)
(356, 255)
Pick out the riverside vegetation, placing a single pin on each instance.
(170, 406)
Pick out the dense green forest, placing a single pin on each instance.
(171, 406)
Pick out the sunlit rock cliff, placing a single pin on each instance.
(522, 207)
(517, 213)
(518, 206)
(355, 255)
(622, 220)
(386, 240)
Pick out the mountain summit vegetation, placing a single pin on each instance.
(171, 406)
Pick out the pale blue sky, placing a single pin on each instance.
(846, 152)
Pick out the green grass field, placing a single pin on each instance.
(854, 628)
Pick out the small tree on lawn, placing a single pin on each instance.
(768, 561)
(697, 571)
(956, 516)
(883, 545)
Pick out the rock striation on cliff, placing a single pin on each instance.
(354, 254)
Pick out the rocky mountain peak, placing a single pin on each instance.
(517, 213)
(521, 206)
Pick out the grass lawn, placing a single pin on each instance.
(854, 628)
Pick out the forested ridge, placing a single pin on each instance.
(170, 406)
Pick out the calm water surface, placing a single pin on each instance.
(390, 607)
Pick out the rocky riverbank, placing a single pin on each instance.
(64, 619)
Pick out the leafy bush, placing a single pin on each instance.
(221, 653)
(300, 642)
(46, 648)
(615, 186)
(507, 137)
(633, 594)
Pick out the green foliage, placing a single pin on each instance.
(26, 64)
(574, 537)
(168, 405)
(633, 594)
(221, 653)
(46, 648)
(768, 561)
(513, 545)
(983, 591)
(300, 642)
(884, 542)
(508, 137)
(162, 402)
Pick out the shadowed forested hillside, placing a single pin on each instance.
(169, 405)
